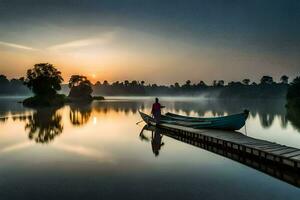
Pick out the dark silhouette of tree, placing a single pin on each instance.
(134, 83)
(293, 90)
(3, 80)
(266, 80)
(246, 81)
(220, 83)
(81, 88)
(201, 84)
(43, 79)
(293, 112)
(12, 87)
(126, 83)
(188, 83)
(234, 89)
(105, 83)
(284, 79)
(76, 80)
(215, 83)
(97, 83)
(293, 102)
(44, 125)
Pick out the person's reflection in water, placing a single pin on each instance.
(44, 125)
(80, 114)
(156, 142)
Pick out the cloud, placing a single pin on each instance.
(104, 39)
(17, 46)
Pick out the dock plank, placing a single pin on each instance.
(285, 151)
(295, 153)
(274, 151)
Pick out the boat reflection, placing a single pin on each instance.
(281, 173)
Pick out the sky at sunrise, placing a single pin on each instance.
(153, 40)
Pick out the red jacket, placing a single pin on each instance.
(156, 108)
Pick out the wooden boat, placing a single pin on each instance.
(230, 122)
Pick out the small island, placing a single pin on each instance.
(44, 80)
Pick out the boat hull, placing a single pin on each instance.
(231, 122)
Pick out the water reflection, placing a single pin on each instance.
(293, 114)
(156, 139)
(288, 175)
(80, 114)
(266, 110)
(119, 106)
(43, 125)
(3, 119)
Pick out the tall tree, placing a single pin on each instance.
(266, 80)
(43, 79)
(3, 80)
(221, 83)
(201, 84)
(81, 87)
(215, 83)
(294, 88)
(284, 79)
(188, 83)
(246, 81)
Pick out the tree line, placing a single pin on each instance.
(12, 87)
(266, 88)
(44, 78)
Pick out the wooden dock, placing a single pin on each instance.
(277, 160)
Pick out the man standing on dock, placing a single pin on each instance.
(156, 110)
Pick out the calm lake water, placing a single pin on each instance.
(96, 152)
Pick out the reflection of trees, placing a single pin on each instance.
(293, 113)
(3, 119)
(44, 125)
(127, 107)
(80, 114)
(283, 121)
(266, 120)
(266, 110)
